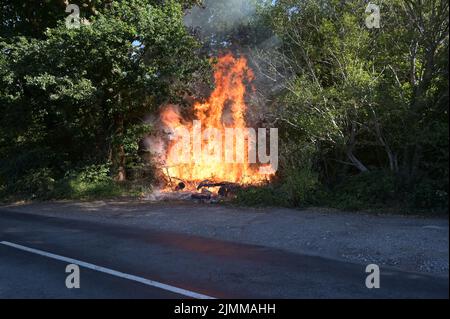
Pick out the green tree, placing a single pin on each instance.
(79, 96)
(364, 99)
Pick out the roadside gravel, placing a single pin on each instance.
(415, 244)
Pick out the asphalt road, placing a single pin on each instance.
(193, 264)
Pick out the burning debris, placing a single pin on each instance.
(205, 191)
(224, 190)
(199, 164)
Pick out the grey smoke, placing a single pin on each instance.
(220, 15)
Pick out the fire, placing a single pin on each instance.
(224, 110)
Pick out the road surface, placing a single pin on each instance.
(143, 263)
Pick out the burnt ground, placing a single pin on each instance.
(408, 243)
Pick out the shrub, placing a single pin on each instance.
(299, 187)
(88, 182)
(372, 189)
(427, 194)
(36, 183)
(261, 196)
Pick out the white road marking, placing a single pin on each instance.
(109, 271)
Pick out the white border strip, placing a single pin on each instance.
(112, 272)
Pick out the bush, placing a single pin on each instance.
(36, 183)
(427, 194)
(92, 174)
(88, 182)
(373, 189)
(299, 187)
(261, 196)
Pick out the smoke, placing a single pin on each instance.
(236, 25)
(155, 144)
(220, 16)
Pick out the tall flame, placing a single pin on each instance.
(225, 108)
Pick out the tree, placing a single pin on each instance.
(359, 92)
(81, 94)
(32, 18)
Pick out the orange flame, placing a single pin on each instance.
(225, 108)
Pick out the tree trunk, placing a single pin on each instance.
(121, 175)
(349, 151)
(356, 162)
(393, 160)
(119, 160)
